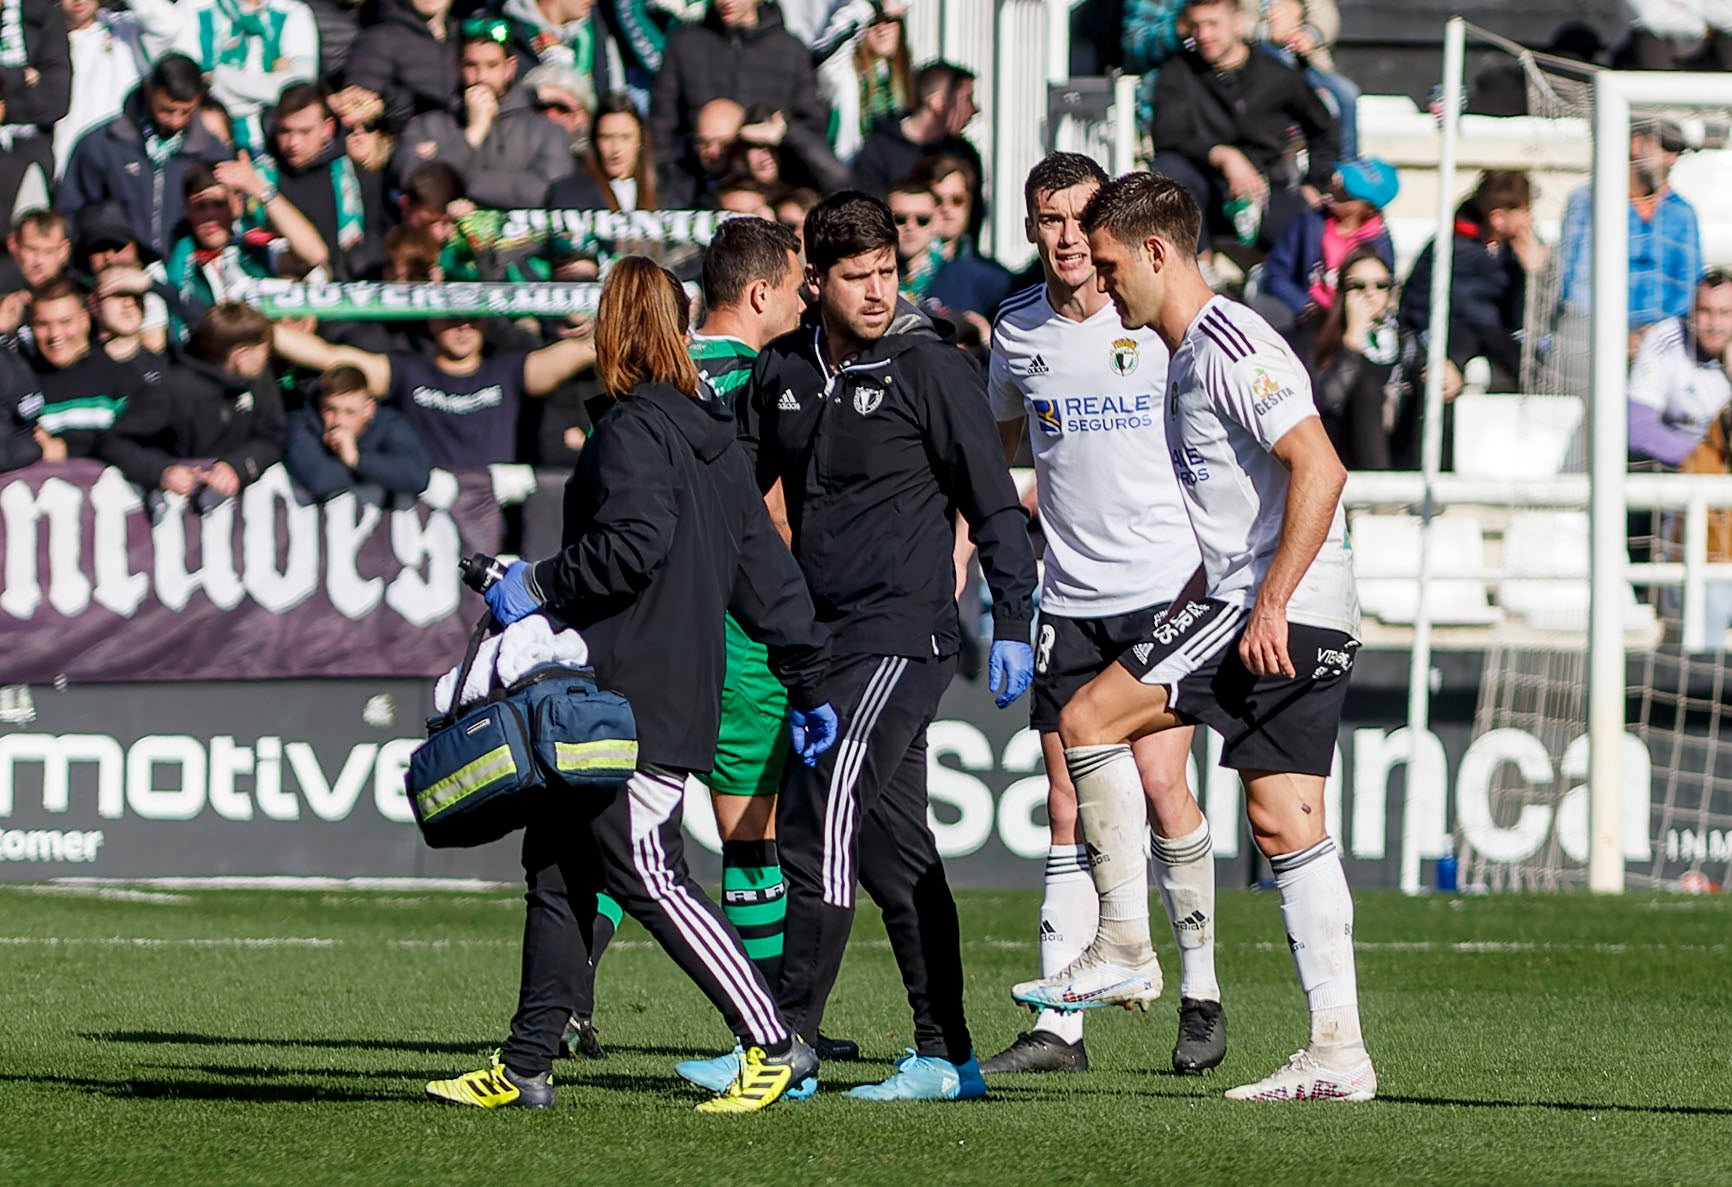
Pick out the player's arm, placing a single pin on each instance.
(1316, 480)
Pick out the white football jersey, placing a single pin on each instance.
(1116, 531)
(1236, 389)
(1668, 376)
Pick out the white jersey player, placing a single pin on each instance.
(1089, 395)
(1258, 646)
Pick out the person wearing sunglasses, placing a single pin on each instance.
(1354, 355)
(914, 210)
(1300, 274)
(506, 150)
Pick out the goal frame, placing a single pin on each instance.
(1615, 93)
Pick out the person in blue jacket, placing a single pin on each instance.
(346, 440)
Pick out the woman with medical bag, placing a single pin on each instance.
(665, 532)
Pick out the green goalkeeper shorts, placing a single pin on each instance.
(752, 745)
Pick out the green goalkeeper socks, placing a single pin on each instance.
(754, 899)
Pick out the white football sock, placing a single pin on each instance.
(1318, 912)
(1109, 804)
(1069, 913)
(1185, 874)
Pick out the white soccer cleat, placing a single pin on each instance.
(1305, 1079)
(1094, 982)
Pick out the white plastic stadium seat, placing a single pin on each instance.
(1538, 545)
(1516, 436)
(1386, 550)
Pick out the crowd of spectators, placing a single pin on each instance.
(162, 157)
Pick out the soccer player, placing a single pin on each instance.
(1258, 645)
(753, 279)
(877, 426)
(1119, 546)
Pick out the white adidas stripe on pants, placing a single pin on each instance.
(655, 796)
(841, 814)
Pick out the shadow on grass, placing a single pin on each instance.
(139, 1089)
(1572, 1106)
(185, 1038)
(428, 1046)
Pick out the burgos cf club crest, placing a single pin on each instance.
(867, 397)
(1046, 416)
(1124, 356)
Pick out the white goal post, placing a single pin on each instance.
(1608, 441)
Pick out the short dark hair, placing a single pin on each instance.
(1059, 171)
(805, 197)
(298, 96)
(935, 168)
(58, 289)
(178, 77)
(226, 328)
(199, 177)
(1715, 278)
(743, 182)
(341, 380)
(939, 77)
(912, 184)
(847, 224)
(1137, 206)
(436, 184)
(744, 251)
(40, 221)
(1503, 189)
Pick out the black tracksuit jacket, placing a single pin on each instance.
(1250, 108)
(664, 533)
(875, 461)
(198, 411)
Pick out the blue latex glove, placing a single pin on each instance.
(1011, 666)
(509, 598)
(814, 731)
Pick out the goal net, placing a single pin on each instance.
(1529, 750)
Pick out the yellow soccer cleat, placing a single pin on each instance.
(495, 1087)
(764, 1080)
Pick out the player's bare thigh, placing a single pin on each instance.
(1161, 757)
(1285, 810)
(1115, 707)
(745, 817)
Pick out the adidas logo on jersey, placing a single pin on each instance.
(787, 403)
(1036, 366)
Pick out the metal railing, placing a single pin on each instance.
(1694, 498)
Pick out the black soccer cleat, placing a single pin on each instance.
(1038, 1051)
(829, 1048)
(580, 1040)
(1202, 1042)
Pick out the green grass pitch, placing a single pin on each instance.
(200, 1036)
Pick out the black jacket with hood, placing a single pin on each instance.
(664, 533)
(763, 64)
(110, 163)
(199, 411)
(875, 460)
(401, 61)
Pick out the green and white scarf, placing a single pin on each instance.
(14, 54)
(232, 46)
(351, 208)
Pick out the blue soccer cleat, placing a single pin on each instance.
(714, 1075)
(926, 1077)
